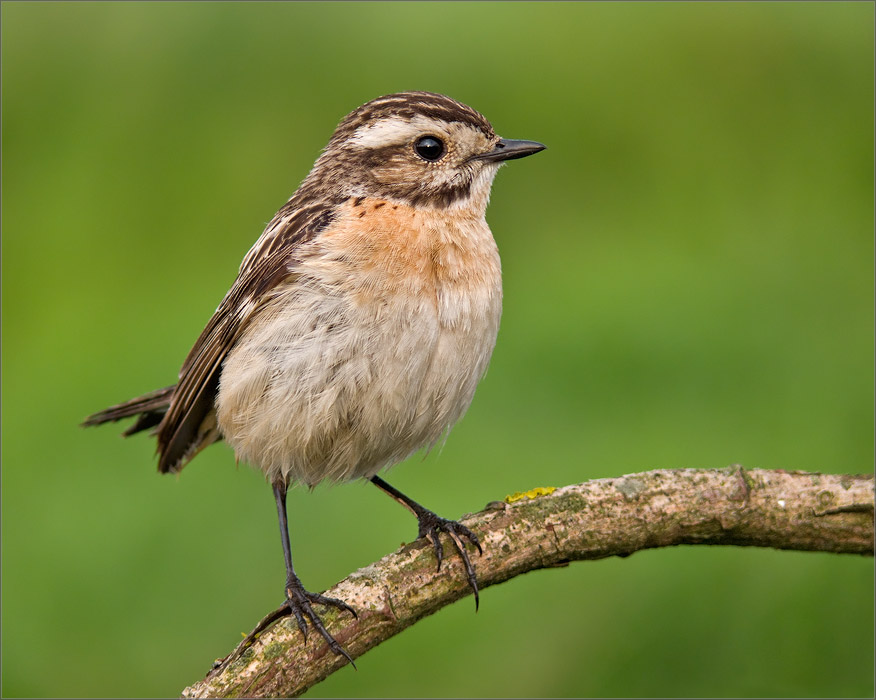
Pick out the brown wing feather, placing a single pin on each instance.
(265, 266)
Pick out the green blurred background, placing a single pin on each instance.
(688, 283)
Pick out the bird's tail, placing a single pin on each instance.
(150, 409)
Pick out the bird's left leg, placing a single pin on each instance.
(298, 600)
(431, 525)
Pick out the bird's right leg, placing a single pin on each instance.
(298, 600)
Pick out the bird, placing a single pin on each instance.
(359, 323)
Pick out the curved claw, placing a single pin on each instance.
(298, 601)
(432, 536)
(320, 599)
(430, 525)
(299, 618)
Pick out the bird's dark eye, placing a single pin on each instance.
(429, 148)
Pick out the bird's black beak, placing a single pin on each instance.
(509, 149)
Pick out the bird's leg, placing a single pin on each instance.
(431, 525)
(298, 600)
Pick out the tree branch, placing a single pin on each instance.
(546, 528)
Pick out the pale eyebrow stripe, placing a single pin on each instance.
(391, 130)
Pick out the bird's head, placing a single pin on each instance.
(419, 148)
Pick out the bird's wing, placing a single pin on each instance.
(264, 267)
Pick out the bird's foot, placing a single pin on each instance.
(430, 527)
(298, 603)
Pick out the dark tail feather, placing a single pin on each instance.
(149, 409)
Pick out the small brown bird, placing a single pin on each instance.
(360, 322)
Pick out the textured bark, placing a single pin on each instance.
(546, 528)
